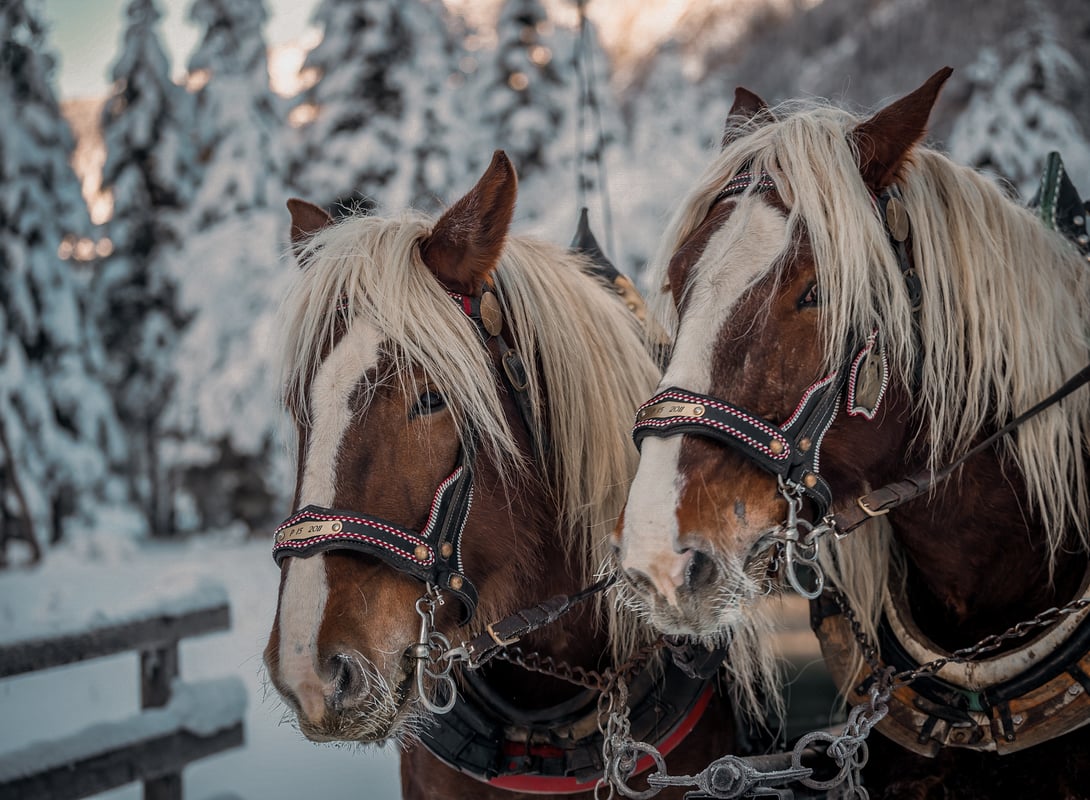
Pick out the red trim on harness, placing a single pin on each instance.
(545, 784)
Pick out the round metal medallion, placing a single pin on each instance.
(897, 219)
(491, 315)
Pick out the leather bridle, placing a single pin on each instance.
(790, 450)
(433, 554)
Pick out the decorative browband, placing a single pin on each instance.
(742, 181)
(677, 411)
(432, 555)
(790, 451)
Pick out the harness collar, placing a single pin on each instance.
(558, 750)
(1005, 703)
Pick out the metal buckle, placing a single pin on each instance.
(499, 639)
(516, 370)
(862, 503)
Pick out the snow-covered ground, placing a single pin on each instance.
(103, 579)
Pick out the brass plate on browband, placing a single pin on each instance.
(670, 408)
(897, 219)
(307, 530)
(491, 315)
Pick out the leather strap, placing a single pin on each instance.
(510, 629)
(432, 555)
(886, 498)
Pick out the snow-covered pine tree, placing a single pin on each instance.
(522, 95)
(433, 130)
(60, 434)
(585, 146)
(351, 149)
(1020, 109)
(149, 170)
(671, 132)
(224, 414)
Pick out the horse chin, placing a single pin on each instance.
(387, 712)
(709, 614)
(363, 727)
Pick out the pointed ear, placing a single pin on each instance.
(306, 220)
(746, 108)
(885, 141)
(466, 243)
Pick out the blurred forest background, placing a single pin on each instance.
(143, 233)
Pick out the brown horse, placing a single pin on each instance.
(462, 402)
(850, 308)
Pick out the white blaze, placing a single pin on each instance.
(740, 252)
(302, 602)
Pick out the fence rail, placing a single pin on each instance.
(178, 723)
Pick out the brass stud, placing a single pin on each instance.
(421, 553)
(446, 549)
(456, 582)
(810, 480)
(336, 527)
(698, 411)
(491, 315)
(280, 536)
(804, 444)
(776, 446)
(631, 306)
(897, 219)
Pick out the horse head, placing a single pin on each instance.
(781, 383)
(450, 470)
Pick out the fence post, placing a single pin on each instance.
(158, 669)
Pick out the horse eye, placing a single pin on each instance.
(811, 297)
(428, 403)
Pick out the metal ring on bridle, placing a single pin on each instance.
(430, 650)
(624, 768)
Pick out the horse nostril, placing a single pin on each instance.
(346, 678)
(701, 571)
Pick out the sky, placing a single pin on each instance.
(86, 34)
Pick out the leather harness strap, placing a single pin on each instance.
(886, 498)
(513, 627)
(432, 555)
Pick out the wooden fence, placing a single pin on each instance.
(178, 723)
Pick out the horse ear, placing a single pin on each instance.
(885, 141)
(747, 107)
(467, 240)
(306, 220)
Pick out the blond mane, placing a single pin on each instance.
(590, 362)
(1005, 310)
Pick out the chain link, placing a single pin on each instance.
(587, 678)
(736, 776)
(963, 655)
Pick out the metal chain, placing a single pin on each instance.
(965, 654)
(587, 678)
(736, 776)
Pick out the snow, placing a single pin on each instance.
(81, 583)
(410, 101)
(31, 609)
(201, 708)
